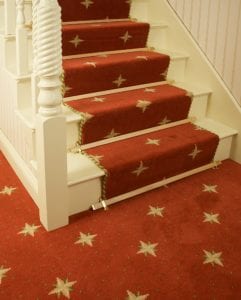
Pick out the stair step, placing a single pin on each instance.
(76, 10)
(107, 117)
(98, 73)
(103, 36)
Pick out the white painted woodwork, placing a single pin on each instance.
(9, 17)
(50, 146)
(216, 26)
(21, 40)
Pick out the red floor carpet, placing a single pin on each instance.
(179, 242)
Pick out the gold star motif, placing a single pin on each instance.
(86, 239)
(8, 190)
(29, 229)
(76, 41)
(211, 218)
(119, 81)
(153, 142)
(91, 63)
(164, 121)
(138, 296)
(213, 258)
(63, 287)
(98, 99)
(147, 248)
(195, 152)
(142, 57)
(150, 90)
(156, 211)
(87, 3)
(3, 272)
(209, 188)
(143, 105)
(140, 169)
(112, 134)
(126, 37)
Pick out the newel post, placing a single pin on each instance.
(21, 40)
(50, 122)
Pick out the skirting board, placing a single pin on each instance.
(19, 166)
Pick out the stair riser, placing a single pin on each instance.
(157, 37)
(91, 190)
(139, 10)
(198, 109)
(177, 69)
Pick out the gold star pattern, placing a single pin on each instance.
(195, 152)
(138, 296)
(87, 3)
(213, 258)
(147, 248)
(62, 287)
(211, 218)
(76, 41)
(112, 134)
(98, 99)
(86, 239)
(91, 63)
(140, 169)
(8, 190)
(152, 142)
(164, 121)
(155, 211)
(119, 81)
(209, 188)
(29, 230)
(126, 37)
(143, 105)
(3, 272)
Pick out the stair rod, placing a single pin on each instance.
(105, 203)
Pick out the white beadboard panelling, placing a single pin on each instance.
(216, 26)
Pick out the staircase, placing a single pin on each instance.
(134, 120)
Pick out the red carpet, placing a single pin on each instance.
(99, 73)
(130, 111)
(189, 231)
(76, 10)
(145, 159)
(104, 36)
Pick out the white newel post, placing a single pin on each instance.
(34, 80)
(21, 40)
(50, 122)
(9, 17)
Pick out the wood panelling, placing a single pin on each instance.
(216, 26)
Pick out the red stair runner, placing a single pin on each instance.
(99, 73)
(75, 10)
(103, 36)
(142, 160)
(121, 113)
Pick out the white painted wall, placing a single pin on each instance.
(216, 26)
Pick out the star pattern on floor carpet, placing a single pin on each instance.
(86, 239)
(3, 272)
(8, 190)
(62, 287)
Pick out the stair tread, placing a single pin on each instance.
(104, 72)
(103, 36)
(144, 108)
(159, 154)
(97, 9)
